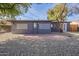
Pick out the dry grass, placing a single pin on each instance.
(6, 36)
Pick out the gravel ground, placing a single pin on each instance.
(41, 45)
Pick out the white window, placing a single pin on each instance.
(35, 25)
(21, 26)
(44, 26)
(51, 25)
(65, 27)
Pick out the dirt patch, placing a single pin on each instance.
(6, 36)
(44, 37)
(54, 36)
(39, 45)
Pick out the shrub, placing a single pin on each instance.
(5, 27)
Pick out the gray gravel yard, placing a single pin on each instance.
(41, 45)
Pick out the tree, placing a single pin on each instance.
(10, 10)
(58, 13)
(61, 11)
(13, 9)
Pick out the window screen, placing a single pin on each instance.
(44, 26)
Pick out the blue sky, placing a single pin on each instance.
(39, 12)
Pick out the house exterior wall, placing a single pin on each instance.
(30, 29)
(27, 30)
(66, 27)
(55, 27)
(15, 30)
(34, 27)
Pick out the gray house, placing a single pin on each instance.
(36, 26)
